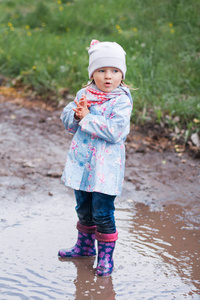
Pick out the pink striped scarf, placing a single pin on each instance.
(96, 96)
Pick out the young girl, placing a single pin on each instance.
(99, 118)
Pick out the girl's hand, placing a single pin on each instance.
(82, 108)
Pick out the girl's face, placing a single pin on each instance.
(107, 79)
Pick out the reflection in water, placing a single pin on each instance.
(170, 241)
(87, 284)
(168, 234)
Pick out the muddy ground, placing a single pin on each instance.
(158, 216)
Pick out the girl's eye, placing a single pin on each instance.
(115, 71)
(101, 71)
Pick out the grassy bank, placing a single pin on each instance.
(44, 43)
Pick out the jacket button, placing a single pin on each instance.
(81, 163)
(85, 141)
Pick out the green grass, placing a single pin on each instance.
(44, 44)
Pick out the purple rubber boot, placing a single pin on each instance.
(106, 246)
(85, 245)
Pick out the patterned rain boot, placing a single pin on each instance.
(106, 246)
(85, 245)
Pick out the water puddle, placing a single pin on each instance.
(156, 257)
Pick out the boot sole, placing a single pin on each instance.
(74, 257)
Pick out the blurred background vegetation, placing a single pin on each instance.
(43, 44)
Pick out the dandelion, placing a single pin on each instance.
(59, 2)
(118, 29)
(170, 25)
(12, 28)
(177, 149)
(34, 67)
(29, 33)
(172, 30)
(135, 29)
(10, 24)
(43, 24)
(61, 8)
(27, 27)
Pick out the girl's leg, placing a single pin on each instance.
(84, 207)
(85, 245)
(103, 209)
(106, 234)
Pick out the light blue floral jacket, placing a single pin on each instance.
(96, 158)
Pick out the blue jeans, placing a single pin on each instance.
(96, 209)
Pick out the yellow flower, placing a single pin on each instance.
(118, 29)
(12, 28)
(177, 148)
(196, 120)
(27, 27)
(29, 33)
(67, 29)
(34, 67)
(135, 29)
(10, 24)
(61, 8)
(43, 24)
(59, 2)
(170, 25)
(172, 30)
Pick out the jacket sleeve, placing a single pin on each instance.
(111, 128)
(68, 119)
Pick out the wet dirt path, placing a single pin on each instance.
(158, 219)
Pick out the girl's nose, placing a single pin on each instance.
(108, 74)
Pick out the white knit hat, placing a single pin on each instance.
(106, 54)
